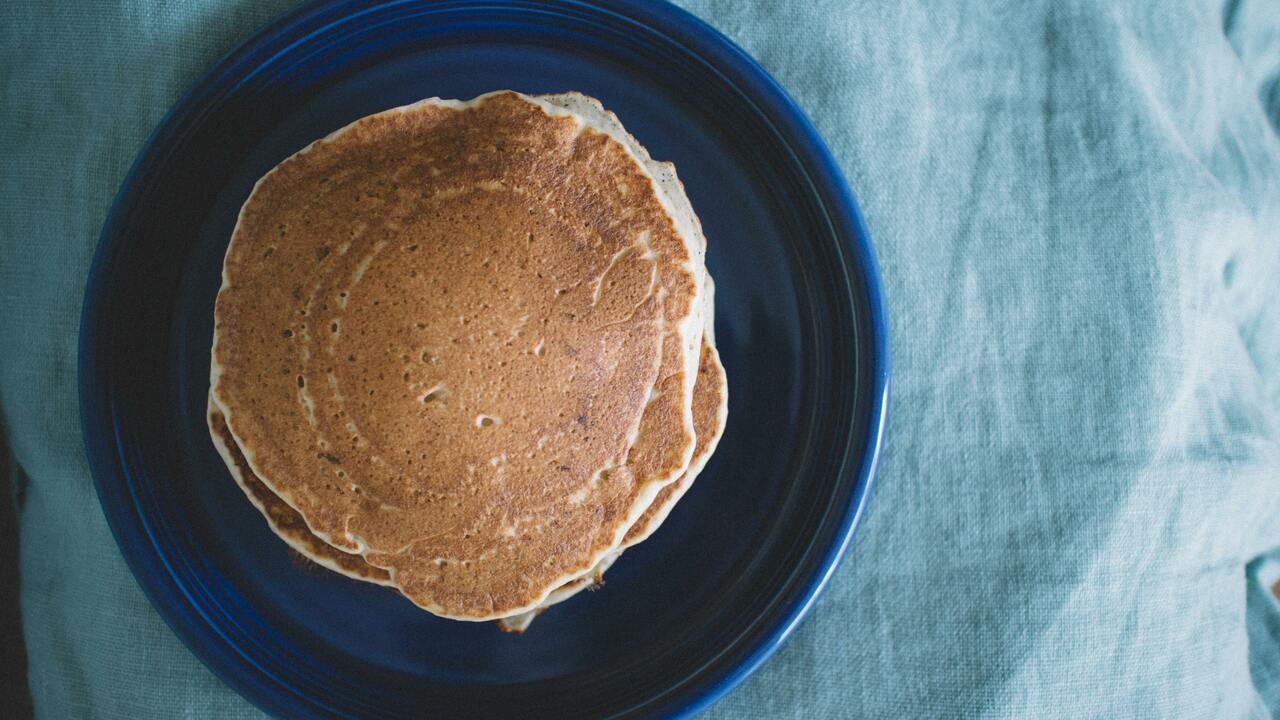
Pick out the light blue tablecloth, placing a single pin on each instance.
(1077, 211)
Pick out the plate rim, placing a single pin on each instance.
(735, 66)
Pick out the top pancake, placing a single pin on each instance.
(437, 338)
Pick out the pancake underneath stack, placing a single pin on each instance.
(464, 350)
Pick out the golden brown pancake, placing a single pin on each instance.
(438, 337)
(285, 521)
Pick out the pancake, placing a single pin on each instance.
(286, 522)
(710, 412)
(483, 417)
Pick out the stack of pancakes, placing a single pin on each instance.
(465, 350)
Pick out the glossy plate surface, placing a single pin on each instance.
(685, 616)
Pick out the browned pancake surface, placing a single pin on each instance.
(436, 329)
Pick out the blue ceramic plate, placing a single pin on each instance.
(685, 616)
